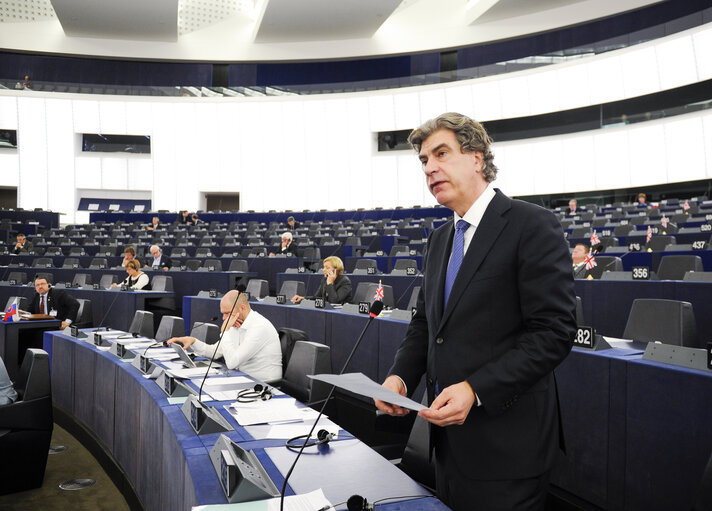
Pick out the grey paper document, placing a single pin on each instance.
(358, 383)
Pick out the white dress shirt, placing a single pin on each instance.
(474, 215)
(253, 348)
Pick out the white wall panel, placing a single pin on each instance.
(410, 187)
(685, 149)
(336, 151)
(318, 167)
(707, 131)
(88, 172)
(612, 159)
(572, 89)
(33, 191)
(292, 145)
(385, 182)
(381, 111)
(140, 174)
(86, 116)
(647, 154)
(163, 153)
(486, 100)
(362, 147)
(543, 92)
(640, 74)
(60, 157)
(676, 62)
(605, 79)
(546, 165)
(432, 104)
(702, 41)
(8, 113)
(139, 120)
(515, 97)
(520, 178)
(407, 110)
(112, 118)
(578, 162)
(114, 173)
(459, 99)
(10, 165)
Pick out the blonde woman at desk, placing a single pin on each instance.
(136, 279)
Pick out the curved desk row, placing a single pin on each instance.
(168, 465)
(637, 432)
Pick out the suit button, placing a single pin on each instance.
(439, 340)
(430, 381)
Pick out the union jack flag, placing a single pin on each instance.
(590, 262)
(595, 240)
(649, 235)
(686, 205)
(379, 292)
(11, 313)
(664, 221)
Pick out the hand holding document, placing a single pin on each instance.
(358, 383)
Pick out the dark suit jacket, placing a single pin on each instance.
(291, 249)
(27, 247)
(510, 320)
(66, 305)
(165, 261)
(338, 292)
(580, 271)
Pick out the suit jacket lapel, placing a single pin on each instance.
(439, 257)
(487, 232)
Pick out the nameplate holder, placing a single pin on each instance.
(102, 266)
(183, 267)
(691, 358)
(319, 303)
(364, 307)
(120, 350)
(301, 269)
(100, 341)
(76, 333)
(171, 386)
(95, 286)
(281, 299)
(124, 287)
(379, 253)
(633, 247)
(13, 282)
(213, 293)
(706, 227)
(211, 268)
(411, 271)
(412, 252)
(587, 338)
(370, 270)
(48, 265)
(204, 419)
(641, 273)
(699, 245)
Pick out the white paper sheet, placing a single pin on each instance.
(361, 384)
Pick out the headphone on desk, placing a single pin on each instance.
(257, 393)
(322, 437)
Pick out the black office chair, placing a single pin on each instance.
(658, 243)
(667, 321)
(216, 264)
(698, 276)
(30, 422)
(81, 280)
(206, 332)
(42, 262)
(579, 311)
(98, 262)
(21, 302)
(307, 358)
(674, 267)
(20, 277)
(238, 265)
(363, 265)
(402, 265)
(413, 301)
(258, 288)
(192, 264)
(416, 460)
(107, 280)
(170, 326)
(399, 250)
(70, 262)
(605, 263)
(85, 317)
(179, 252)
(288, 338)
(142, 324)
(54, 251)
(292, 287)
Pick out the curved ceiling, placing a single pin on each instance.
(281, 30)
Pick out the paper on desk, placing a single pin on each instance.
(307, 502)
(270, 411)
(229, 380)
(191, 372)
(358, 383)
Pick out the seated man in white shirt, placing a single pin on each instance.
(250, 342)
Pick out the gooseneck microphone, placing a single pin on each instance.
(240, 290)
(376, 308)
(412, 281)
(106, 314)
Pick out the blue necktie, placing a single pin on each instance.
(458, 252)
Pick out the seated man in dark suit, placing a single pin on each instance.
(183, 217)
(292, 224)
(22, 244)
(335, 287)
(155, 224)
(288, 246)
(578, 256)
(159, 259)
(54, 302)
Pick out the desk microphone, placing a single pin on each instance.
(240, 290)
(376, 308)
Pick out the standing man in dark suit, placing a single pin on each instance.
(54, 302)
(494, 317)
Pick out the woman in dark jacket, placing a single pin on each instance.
(335, 287)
